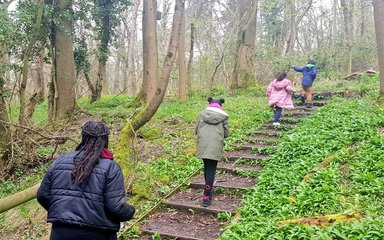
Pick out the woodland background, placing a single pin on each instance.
(65, 62)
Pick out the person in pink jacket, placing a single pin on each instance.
(279, 93)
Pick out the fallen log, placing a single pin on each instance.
(18, 198)
(355, 75)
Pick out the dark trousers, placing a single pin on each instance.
(278, 111)
(209, 175)
(68, 232)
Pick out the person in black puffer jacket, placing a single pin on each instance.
(83, 191)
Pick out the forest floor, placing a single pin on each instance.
(166, 149)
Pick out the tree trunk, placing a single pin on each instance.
(5, 133)
(150, 53)
(243, 73)
(378, 8)
(22, 113)
(348, 30)
(105, 7)
(190, 60)
(18, 198)
(63, 85)
(146, 113)
(296, 16)
(130, 65)
(181, 55)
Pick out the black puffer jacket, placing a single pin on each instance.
(100, 203)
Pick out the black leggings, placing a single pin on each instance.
(68, 232)
(209, 175)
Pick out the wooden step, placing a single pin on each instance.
(251, 146)
(182, 225)
(270, 132)
(296, 113)
(243, 155)
(192, 199)
(285, 119)
(233, 167)
(225, 180)
(305, 109)
(283, 126)
(261, 138)
(317, 103)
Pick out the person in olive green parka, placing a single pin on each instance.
(211, 129)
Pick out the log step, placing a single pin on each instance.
(233, 167)
(225, 180)
(283, 126)
(251, 146)
(260, 138)
(246, 155)
(269, 132)
(296, 113)
(192, 199)
(182, 225)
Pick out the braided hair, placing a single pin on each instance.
(94, 140)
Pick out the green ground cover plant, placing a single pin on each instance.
(167, 148)
(340, 132)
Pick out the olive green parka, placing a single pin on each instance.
(211, 129)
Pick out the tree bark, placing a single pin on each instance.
(130, 71)
(150, 52)
(181, 55)
(63, 85)
(22, 96)
(243, 73)
(296, 16)
(146, 112)
(378, 9)
(105, 7)
(190, 59)
(18, 198)
(38, 95)
(5, 133)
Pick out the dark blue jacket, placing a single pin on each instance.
(309, 74)
(100, 203)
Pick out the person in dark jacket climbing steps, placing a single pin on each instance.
(211, 129)
(309, 74)
(83, 191)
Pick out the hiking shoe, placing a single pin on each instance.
(276, 124)
(302, 98)
(206, 201)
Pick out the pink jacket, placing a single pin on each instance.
(279, 93)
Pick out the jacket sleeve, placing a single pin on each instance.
(226, 129)
(298, 69)
(314, 73)
(290, 89)
(115, 201)
(44, 191)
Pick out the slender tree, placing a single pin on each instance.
(150, 51)
(378, 6)
(243, 73)
(181, 55)
(62, 87)
(145, 113)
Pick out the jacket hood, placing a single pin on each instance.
(278, 85)
(309, 68)
(212, 115)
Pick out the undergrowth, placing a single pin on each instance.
(330, 164)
